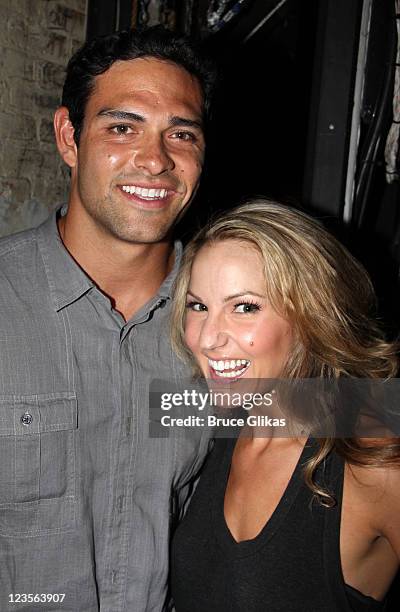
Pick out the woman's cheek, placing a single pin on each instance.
(245, 334)
(192, 334)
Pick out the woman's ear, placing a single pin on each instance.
(64, 132)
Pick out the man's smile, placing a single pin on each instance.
(150, 196)
(146, 193)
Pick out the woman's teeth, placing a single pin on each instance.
(229, 369)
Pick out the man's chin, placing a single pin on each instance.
(137, 235)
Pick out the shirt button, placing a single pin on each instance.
(26, 418)
(120, 503)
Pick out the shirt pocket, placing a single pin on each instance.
(37, 464)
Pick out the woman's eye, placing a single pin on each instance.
(247, 307)
(196, 306)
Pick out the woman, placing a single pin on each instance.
(284, 523)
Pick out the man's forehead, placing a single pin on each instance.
(148, 86)
(148, 83)
(149, 75)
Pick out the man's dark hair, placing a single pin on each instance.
(97, 56)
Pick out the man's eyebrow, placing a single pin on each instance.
(177, 121)
(174, 121)
(120, 114)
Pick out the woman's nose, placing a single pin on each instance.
(214, 333)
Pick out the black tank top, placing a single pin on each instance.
(293, 565)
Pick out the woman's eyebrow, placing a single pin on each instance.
(242, 294)
(193, 295)
(230, 297)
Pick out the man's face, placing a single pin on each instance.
(141, 149)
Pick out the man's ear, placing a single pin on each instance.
(64, 132)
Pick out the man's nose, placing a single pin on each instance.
(152, 156)
(214, 333)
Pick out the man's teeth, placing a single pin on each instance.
(143, 192)
(233, 367)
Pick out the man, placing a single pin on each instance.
(86, 497)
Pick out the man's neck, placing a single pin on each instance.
(130, 274)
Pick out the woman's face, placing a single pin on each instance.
(231, 328)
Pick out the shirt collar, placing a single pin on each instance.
(67, 281)
(165, 290)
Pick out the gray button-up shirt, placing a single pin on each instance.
(86, 496)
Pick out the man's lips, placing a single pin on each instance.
(148, 196)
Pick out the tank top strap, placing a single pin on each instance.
(340, 591)
(332, 480)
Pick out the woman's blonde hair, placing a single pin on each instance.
(327, 296)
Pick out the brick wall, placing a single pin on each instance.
(37, 37)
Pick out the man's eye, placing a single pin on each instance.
(196, 306)
(121, 130)
(186, 136)
(247, 307)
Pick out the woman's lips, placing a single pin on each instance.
(228, 370)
